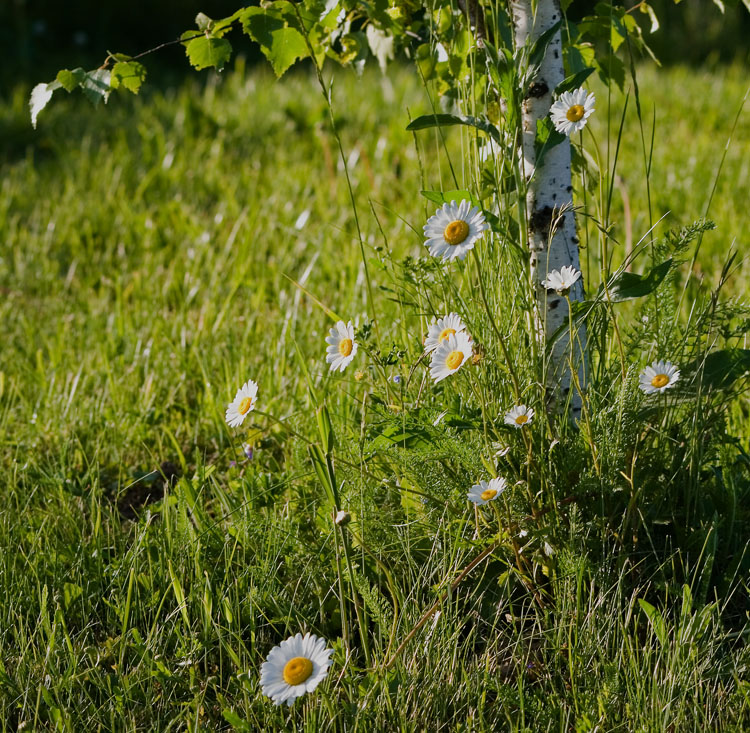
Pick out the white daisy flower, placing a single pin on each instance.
(519, 416)
(561, 280)
(486, 491)
(296, 666)
(341, 346)
(441, 329)
(570, 112)
(242, 404)
(657, 377)
(450, 355)
(454, 228)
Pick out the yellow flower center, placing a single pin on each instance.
(245, 405)
(575, 113)
(445, 333)
(454, 359)
(345, 347)
(522, 419)
(488, 494)
(659, 380)
(297, 670)
(456, 232)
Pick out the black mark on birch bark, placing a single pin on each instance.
(541, 219)
(538, 89)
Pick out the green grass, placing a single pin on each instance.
(148, 253)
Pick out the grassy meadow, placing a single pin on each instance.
(157, 253)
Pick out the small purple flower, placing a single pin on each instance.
(396, 379)
(247, 449)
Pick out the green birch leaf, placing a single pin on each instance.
(128, 74)
(40, 95)
(280, 44)
(574, 81)
(426, 58)
(96, 86)
(203, 22)
(204, 53)
(71, 79)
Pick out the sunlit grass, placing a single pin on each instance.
(147, 269)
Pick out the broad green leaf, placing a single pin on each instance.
(71, 79)
(720, 369)
(627, 285)
(574, 81)
(446, 120)
(426, 58)
(220, 27)
(205, 53)
(655, 619)
(96, 86)
(539, 47)
(579, 57)
(547, 137)
(129, 74)
(40, 95)
(353, 48)
(203, 22)
(280, 44)
(611, 68)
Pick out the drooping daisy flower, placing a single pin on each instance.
(657, 377)
(441, 329)
(486, 491)
(570, 112)
(242, 404)
(450, 355)
(341, 346)
(561, 280)
(454, 228)
(519, 416)
(296, 666)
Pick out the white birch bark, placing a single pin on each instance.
(553, 241)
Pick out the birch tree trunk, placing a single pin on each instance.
(552, 238)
